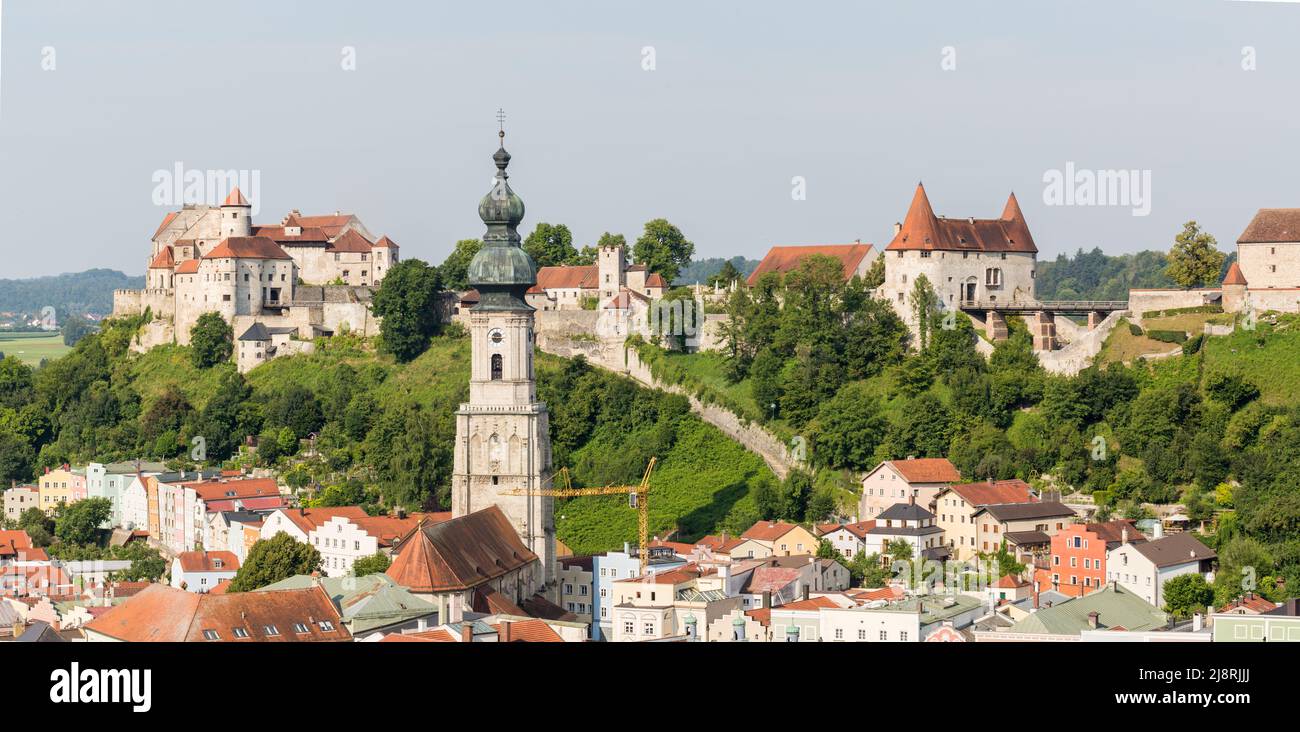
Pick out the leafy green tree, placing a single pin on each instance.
(766, 499)
(275, 559)
(211, 341)
(147, 563)
(74, 329)
(1195, 259)
(551, 245)
(407, 301)
(821, 504)
(16, 382)
(662, 248)
(39, 526)
(227, 418)
(725, 276)
(17, 457)
(455, 268)
(875, 276)
(1187, 594)
(295, 407)
(376, 563)
(1232, 390)
(796, 489)
(79, 522)
(826, 550)
(848, 428)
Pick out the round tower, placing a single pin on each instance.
(236, 215)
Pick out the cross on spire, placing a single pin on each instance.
(501, 124)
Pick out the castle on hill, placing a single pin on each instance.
(279, 286)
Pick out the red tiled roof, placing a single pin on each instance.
(654, 279)
(247, 488)
(437, 635)
(768, 530)
(812, 603)
(163, 260)
(667, 577)
(220, 588)
(13, 540)
(331, 223)
(247, 247)
(788, 258)
(166, 220)
(459, 554)
(388, 529)
(995, 492)
(309, 519)
(1272, 225)
(490, 602)
(1113, 531)
(762, 615)
(719, 543)
(568, 277)
(189, 266)
(678, 547)
(1234, 275)
(858, 529)
(208, 561)
(770, 579)
(1255, 603)
(927, 470)
(1007, 582)
(312, 235)
(528, 631)
(350, 241)
(235, 198)
(166, 614)
(923, 230)
(386, 243)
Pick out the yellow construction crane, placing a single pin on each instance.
(638, 498)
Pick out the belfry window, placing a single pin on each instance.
(496, 367)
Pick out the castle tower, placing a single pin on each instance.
(611, 269)
(236, 215)
(503, 442)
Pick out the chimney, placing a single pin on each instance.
(1198, 622)
(767, 599)
(1092, 619)
(1123, 536)
(805, 592)
(898, 226)
(466, 632)
(1158, 531)
(503, 635)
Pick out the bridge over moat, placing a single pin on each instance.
(1042, 316)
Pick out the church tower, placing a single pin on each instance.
(503, 443)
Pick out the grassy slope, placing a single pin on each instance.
(1273, 366)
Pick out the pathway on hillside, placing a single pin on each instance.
(621, 360)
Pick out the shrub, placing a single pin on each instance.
(1167, 336)
(1135, 329)
(1193, 345)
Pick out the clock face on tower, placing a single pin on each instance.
(495, 336)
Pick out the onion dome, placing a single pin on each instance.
(501, 270)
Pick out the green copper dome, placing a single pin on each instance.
(501, 271)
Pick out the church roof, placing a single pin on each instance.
(247, 247)
(1234, 275)
(1272, 225)
(460, 554)
(923, 230)
(788, 258)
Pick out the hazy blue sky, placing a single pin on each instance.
(745, 96)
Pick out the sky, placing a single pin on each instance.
(715, 115)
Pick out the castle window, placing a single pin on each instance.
(496, 366)
(925, 255)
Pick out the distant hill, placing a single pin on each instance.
(89, 292)
(1097, 276)
(703, 269)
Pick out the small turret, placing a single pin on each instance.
(236, 215)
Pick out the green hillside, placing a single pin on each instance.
(384, 429)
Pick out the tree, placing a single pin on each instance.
(551, 245)
(226, 418)
(79, 522)
(848, 428)
(1187, 594)
(455, 268)
(875, 276)
(925, 306)
(38, 525)
(297, 408)
(1194, 260)
(663, 248)
(147, 563)
(275, 559)
(211, 341)
(826, 550)
(407, 301)
(1232, 390)
(74, 329)
(725, 276)
(376, 563)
